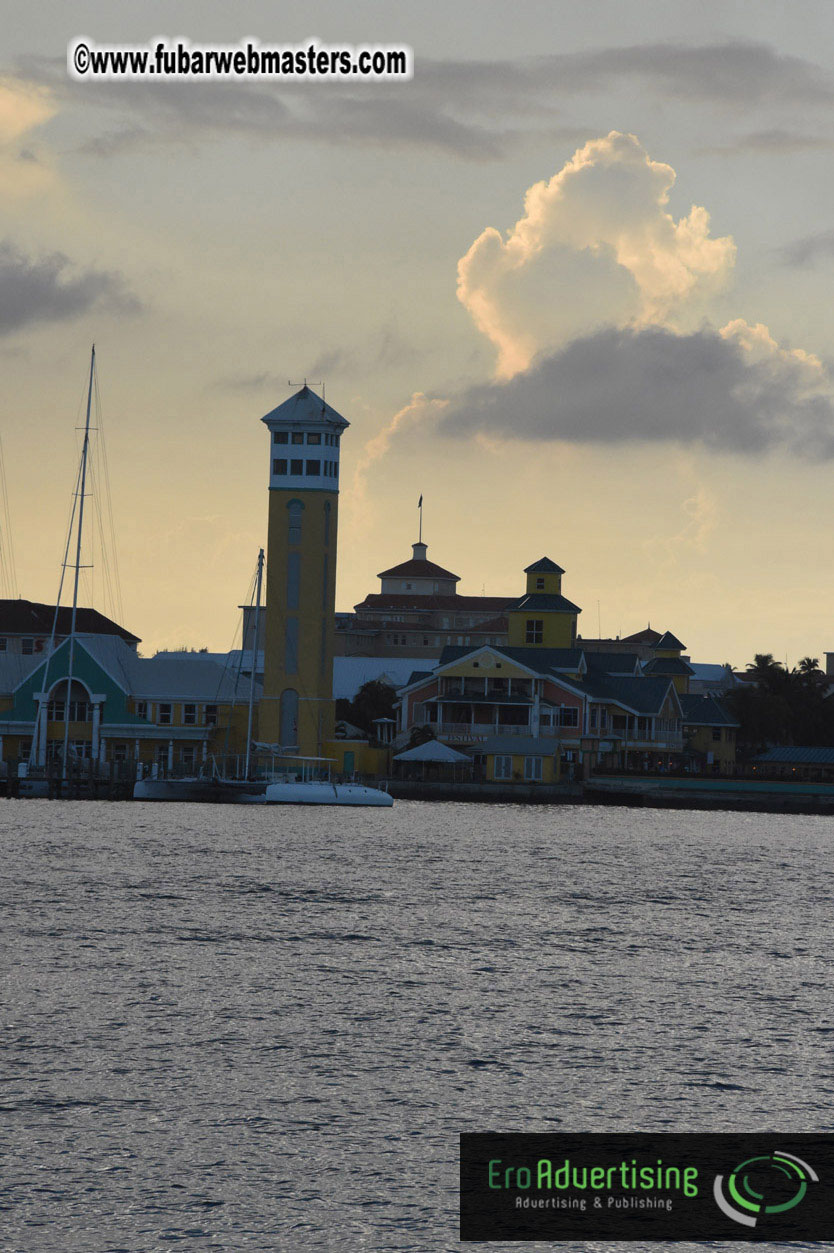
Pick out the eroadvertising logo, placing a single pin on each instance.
(783, 1178)
(642, 1186)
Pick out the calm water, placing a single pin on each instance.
(243, 1028)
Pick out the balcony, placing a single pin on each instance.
(468, 732)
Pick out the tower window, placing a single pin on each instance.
(534, 630)
(298, 437)
(289, 718)
(314, 467)
(296, 467)
(291, 646)
(313, 437)
(279, 465)
(327, 522)
(280, 437)
(293, 579)
(294, 509)
(539, 585)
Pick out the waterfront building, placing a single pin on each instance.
(157, 712)
(26, 626)
(418, 612)
(566, 706)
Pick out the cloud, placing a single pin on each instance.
(773, 142)
(730, 391)
(804, 252)
(23, 108)
(478, 110)
(596, 242)
(45, 290)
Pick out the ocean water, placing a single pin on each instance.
(248, 1028)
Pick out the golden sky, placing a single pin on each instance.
(571, 283)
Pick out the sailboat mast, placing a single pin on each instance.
(84, 452)
(255, 643)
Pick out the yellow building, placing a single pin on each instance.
(297, 709)
(543, 617)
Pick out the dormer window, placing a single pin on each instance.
(539, 585)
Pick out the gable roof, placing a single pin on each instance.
(543, 602)
(667, 665)
(638, 695)
(31, 617)
(540, 661)
(543, 566)
(704, 711)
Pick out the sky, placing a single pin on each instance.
(571, 283)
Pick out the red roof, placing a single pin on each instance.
(411, 600)
(648, 636)
(417, 569)
(29, 617)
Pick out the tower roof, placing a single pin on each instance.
(669, 641)
(544, 566)
(305, 406)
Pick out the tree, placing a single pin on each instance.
(375, 699)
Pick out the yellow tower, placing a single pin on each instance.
(543, 617)
(297, 709)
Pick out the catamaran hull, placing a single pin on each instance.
(218, 791)
(324, 794)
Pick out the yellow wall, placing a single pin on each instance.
(552, 583)
(558, 629)
(485, 667)
(550, 769)
(315, 615)
(366, 760)
(723, 750)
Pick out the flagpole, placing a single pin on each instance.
(420, 513)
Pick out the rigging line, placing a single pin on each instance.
(8, 546)
(102, 444)
(109, 597)
(236, 681)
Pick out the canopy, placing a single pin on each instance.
(432, 750)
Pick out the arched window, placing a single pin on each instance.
(289, 718)
(295, 508)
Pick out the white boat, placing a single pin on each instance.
(321, 792)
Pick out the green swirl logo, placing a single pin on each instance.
(772, 1184)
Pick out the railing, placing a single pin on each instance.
(485, 730)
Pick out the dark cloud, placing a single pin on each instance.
(774, 142)
(651, 385)
(804, 252)
(479, 110)
(46, 290)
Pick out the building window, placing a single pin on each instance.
(298, 437)
(141, 709)
(716, 733)
(291, 646)
(313, 437)
(164, 718)
(293, 579)
(539, 585)
(288, 729)
(280, 437)
(27, 647)
(533, 769)
(296, 467)
(3, 644)
(295, 509)
(503, 768)
(189, 715)
(162, 754)
(279, 465)
(119, 752)
(211, 715)
(534, 631)
(569, 716)
(187, 753)
(313, 467)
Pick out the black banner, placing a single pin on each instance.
(770, 1186)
